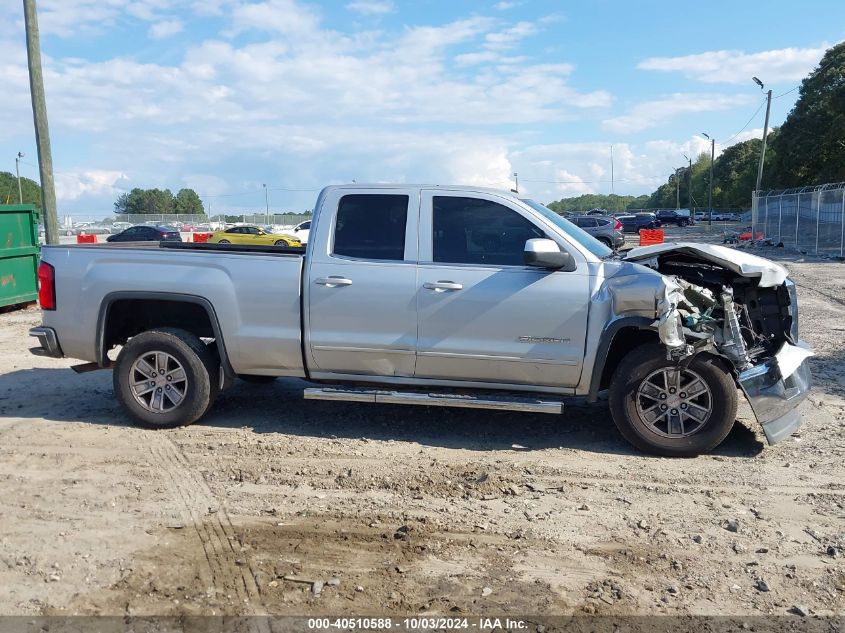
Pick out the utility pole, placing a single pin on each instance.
(515, 182)
(710, 184)
(765, 134)
(611, 171)
(42, 132)
(18, 174)
(266, 204)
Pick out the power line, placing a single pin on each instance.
(747, 123)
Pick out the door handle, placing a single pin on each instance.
(442, 286)
(333, 281)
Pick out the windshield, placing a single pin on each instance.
(579, 235)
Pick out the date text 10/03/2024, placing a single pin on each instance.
(416, 624)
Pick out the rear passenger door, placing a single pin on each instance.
(361, 283)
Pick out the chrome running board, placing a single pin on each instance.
(499, 402)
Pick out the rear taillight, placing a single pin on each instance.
(617, 226)
(46, 286)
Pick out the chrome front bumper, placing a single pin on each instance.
(49, 342)
(775, 388)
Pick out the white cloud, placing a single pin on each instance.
(649, 114)
(737, 67)
(372, 7)
(165, 28)
(71, 185)
(504, 6)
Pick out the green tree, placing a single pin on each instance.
(9, 190)
(188, 202)
(145, 201)
(585, 202)
(810, 146)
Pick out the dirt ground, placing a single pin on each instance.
(400, 510)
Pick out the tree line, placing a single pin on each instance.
(9, 190)
(808, 149)
(159, 201)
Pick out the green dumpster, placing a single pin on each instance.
(19, 249)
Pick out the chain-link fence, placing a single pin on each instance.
(810, 219)
(186, 222)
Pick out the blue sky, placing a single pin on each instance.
(225, 95)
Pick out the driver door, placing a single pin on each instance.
(482, 314)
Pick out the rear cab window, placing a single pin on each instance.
(371, 226)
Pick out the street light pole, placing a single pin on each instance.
(689, 190)
(710, 185)
(677, 189)
(765, 134)
(42, 131)
(266, 204)
(18, 174)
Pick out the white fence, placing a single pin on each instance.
(810, 219)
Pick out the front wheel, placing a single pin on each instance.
(280, 243)
(668, 409)
(165, 378)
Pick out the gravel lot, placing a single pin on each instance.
(406, 510)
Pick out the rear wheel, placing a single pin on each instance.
(605, 241)
(683, 223)
(165, 378)
(224, 242)
(668, 409)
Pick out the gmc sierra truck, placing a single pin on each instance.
(442, 296)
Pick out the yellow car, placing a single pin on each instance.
(252, 235)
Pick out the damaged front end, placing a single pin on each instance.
(742, 308)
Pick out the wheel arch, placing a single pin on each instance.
(619, 337)
(109, 334)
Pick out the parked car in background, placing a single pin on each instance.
(145, 233)
(302, 230)
(117, 227)
(87, 228)
(597, 211)
(605, 229)
(678, 217)
(636, 222)
(250, 234)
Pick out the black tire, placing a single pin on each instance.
(633, 370)
(256, 379)
(224, 242)
(606, 242)
(280, 243)
(683, 223)
(200, 365)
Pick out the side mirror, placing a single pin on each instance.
(545, 253)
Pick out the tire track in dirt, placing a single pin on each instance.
(228, 574)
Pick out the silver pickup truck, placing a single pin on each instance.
(446, 296)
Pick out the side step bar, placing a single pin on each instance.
(501, 403)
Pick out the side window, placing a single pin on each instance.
(474, 231)
(371, 226)
(589, 223)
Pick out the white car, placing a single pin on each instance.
(302, 230)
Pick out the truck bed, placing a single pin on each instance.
(253, 293)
